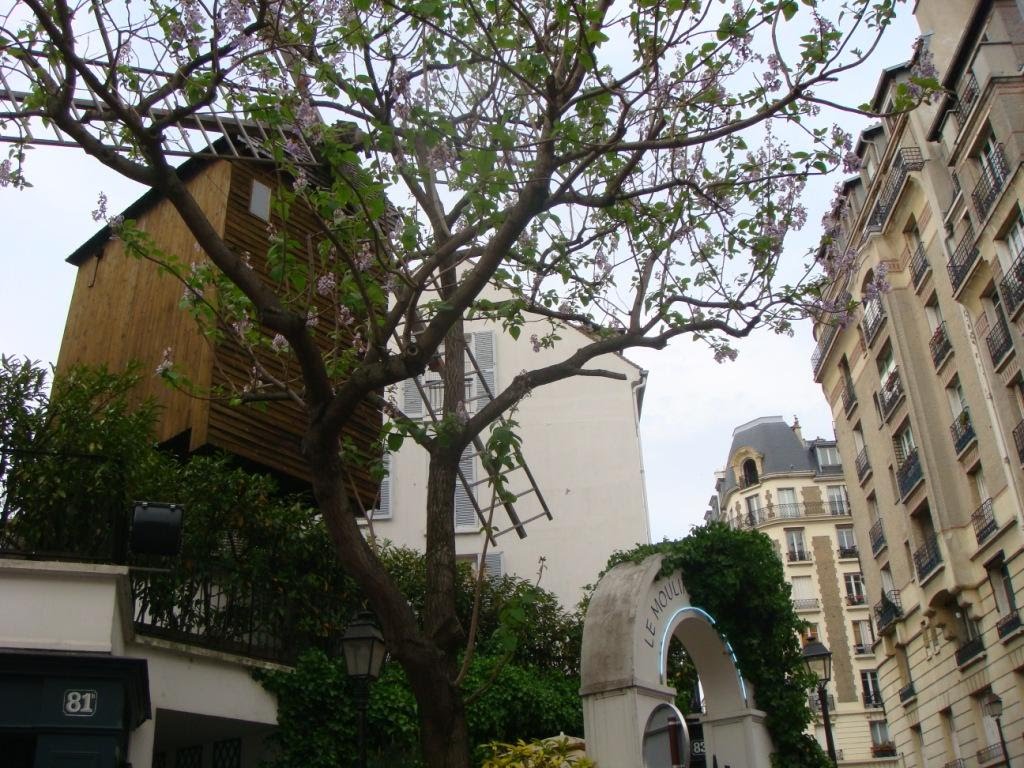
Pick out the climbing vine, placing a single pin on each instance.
(737, 577)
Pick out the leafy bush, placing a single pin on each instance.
(548, 753)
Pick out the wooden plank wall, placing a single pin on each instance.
(123, 309)
(271, 434)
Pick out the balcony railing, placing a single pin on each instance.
(909, 474)
(885, 749)
(849, 399)
(939, 344)
(862, 463)
(1012, 285)
(993, 177)
(874, 316)
(814, 703)
(1018, 440)
(838, 507)
(969, 650)
(984, 521)
(856, 599)
(862, 649)
(919, 265)
(891, 393)
(888, 609)
(990, 754)
(828, 335)
(962, 431)
(963, 259)
(872, 700)
(907, 159)
(958, 763)
(927, 557)
(966, 99)
(1008, 623)
(798, 556)
(806, 604)
(877, 536)
(850, 551)
(999, 341)
(907, 692)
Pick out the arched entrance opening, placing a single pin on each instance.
(630, 620)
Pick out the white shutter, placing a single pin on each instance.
(803, 588)
(482, 345)
(383, 510)
(412, 403)
(493, 565)
(465, 514)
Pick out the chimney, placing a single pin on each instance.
(796, 430)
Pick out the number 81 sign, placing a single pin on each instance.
(80, 703)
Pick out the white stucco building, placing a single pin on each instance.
(580, 441)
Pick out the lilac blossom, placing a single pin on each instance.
(100, 213)
(6, 175)
(165, 364)
(535, 342)
(279, 343)
(851, 162)
(326, 284)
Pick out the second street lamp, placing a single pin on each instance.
(993, 706)
(818, 660)
(364, 649)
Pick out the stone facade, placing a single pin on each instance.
(925, 385)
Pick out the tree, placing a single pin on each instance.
(566, 162)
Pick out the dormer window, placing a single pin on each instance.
(750, 472)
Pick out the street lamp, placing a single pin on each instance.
(364, 649)
(993, 707)
(818, 659)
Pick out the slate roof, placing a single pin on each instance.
(782, 450)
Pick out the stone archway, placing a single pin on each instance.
(626, 633)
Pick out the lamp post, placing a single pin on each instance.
(364, 649)
(818, 659)
(993, 706)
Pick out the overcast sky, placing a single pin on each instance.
(691, 406)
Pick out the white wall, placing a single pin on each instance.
(581, 441)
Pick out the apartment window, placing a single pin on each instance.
(837, 504)
(933, 314)
(863, 636)
(466, 519)
(903, 443)
(795, 547)
(804, 597)
(880, 735)
(828, 456)
(955, 396)
(788, 506)
(808, 633)
(847, 541)
(949, 737)
(869, 686)
(886, 364)
(1002, 587)
(753, 509)
(989, 729)
(259, 200)
(382, 511)
(750, 472)
(481, 346)
(854, 588)
(1013, 240)
(886, 575)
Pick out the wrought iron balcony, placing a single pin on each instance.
(962, 431)
(1018, 440)
(963, 259)
(999, 341)
(969, 650)
(909, 474)
(849, 399)
(828, 335)
(874, 316)
(862, 463)
(990, 754)
(872, 700)
(939, 344)
(862, 649)
(907, 692)
(848, 551)
(907, 159)
(984, 521)
(856, 599)
(814, 703)
(884, 749)
(966, 99)
(888, 609)
(927, 557)
(919, 265)
(877, 536)
(1012, 285)
(806, 604)
(1008, 623)
(787, 510)
(838, 507)
(958, 763)
(993, 177)
(798, 556)
(891, 393)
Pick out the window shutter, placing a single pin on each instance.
(412, 403)
(493, 566)
(483, 351)
(803, 588)
(465, 514)
(383, 510)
